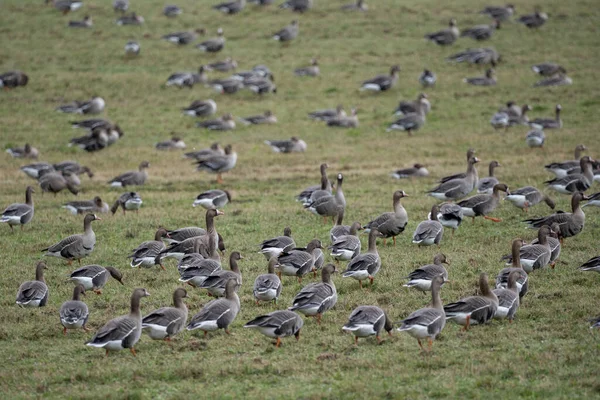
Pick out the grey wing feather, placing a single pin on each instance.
(115, 329)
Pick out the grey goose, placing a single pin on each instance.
(478, 56)
(593, 264)
(391, 224)
(13, 79)
(576, 182)
(93, 277)
(486, 185)
(216, 283)
(350, 121)
(365, 321)
(549, 69)
(430, 231)
(180, 38)
(94, 106)
(66, 6)
(461, 175)
(75, 247)
(534, 20)
(329, 205)
(297, 5)
(422, 278)
(570, 224)
(175, 143)
(224, 123)
(483, 204)
(481, 32)
(34, 293)
(225, 65)
(317, 298)
(445, 37)
(359, 5)
(212, 199)
(146, 254)
(231, 7)
(411, 107)
(185, 243)
(98, 138)
(457, 188)
(515, 259)
(312, 70)
(131, 19)
(166, 322)
(120, 5)
(172, 11)
(265, 118)
(128, 201)
(26, 151)
(488, 80)
(382, 82)
(416, 171)
(277, 324)
(427, 78)
(293, 145)
(346, 247)
(501, 13)
(508, 298)
(365, 265)
(219, 313)
(267, 287)
(560, 80)
(95, 205)
(299, 262)
(86, 22)
(213, 45)
(55, 182)
(201, 108)
(527, 197)
(19, 213)
(132, 178)
(327, 114)
(274, 247)
(74, 313)
(187, 79)
(548, 123)
(474, 310)
(214, 149)
(218, 163)
(309, 194)
(563, 168)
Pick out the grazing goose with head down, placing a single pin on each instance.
(127, 201)
(74, 313)
(445, 37)
(265, 118)
(219, 313)
(391, 224)
(481, 32)
(96, 205)
(488, 80)
(382, 82)
(130, 178)
(317, 298)
(216, 284)
(122, 332)
(267, 287)
(548, 123)
(297, 5)
(212, 199)
(474, 310)
(299, 262)
(451, 216)
(94, 277)
(75, 247)
(34, 293)
(218, 163)
(225, 65)
(528, 196)
(508, 299)
(500, 13)
(430, 231)
(410, 122)
(365, 321)
(365, 265)
(522, 281)
(13, 79)
(274, 247)
(19, 213)
(147, 253)
(486, 185)
(329, 205)
(572, 183)
(345, 246)
(278, 324)
(479, 56)
(359, 5)
(570, 224)
(457, 188)
(172, 11)
(422, 278)
(427, 323)
(416, 171)
(131, 19)
(561, 169)
(483, 204)
(293, 145)
(86, 22)
(55, 182)
(166, 322)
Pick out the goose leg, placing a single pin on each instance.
(378, 339)
(430, 342)
(133, 351)
(356, 340)
(492, 218)
(319, 318)
(85, 328)
(420, 345)
(394, 239)
(360, 284)
(106, 354)
(219, 178)
(278, 343)
(371, 280)
(64, 331)
(466, 327)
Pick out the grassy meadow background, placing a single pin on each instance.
(547, 352)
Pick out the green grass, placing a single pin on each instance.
(547, 352)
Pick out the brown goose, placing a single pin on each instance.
(131, 177)
(483, 204)
(34, 293)
(554, 238)
(312, 193)
(445, 37)
(19, 213)
(299, 262)
(74, 313)
(147, 253)
(368, 321)
(216, 284)
(457, 188)
(365, 265)
(523, 280)
(94, 277)
(536, 256)
(317, 298)
(391, 224)
(219, 313)
(218, 164)
(329, 206)
(570, 224)
(75, 247)
(55, 182)
(96, 205)
(528, 196)
(474, 310)
(27, 151)
(166, 322)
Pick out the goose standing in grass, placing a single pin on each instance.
(213, 45)
(74, 167)
(488, 80)
(55, 182)
(225, 123)
(482, 204)
(457, 188)
(350, 121)
(267, 287)
(98, 138)
(93, 277)
(312, 193)
(522, 281)
(94, 106)
(166, 322)
(175, 143)
(508, 299)
(218, 164)
(122, 332)
(409, 123)
(288, 33)
(365, 265)
(13, 79)
(172, 11)
(500, 13)
(527, 197)
(186, 245)
(75, 247)
(365, 321)
(331, 205)
(278, 324)
(548, 123)
(500, 120)
(299, 262)
(181, 234)
(34, 293)
(180, 38)
(344, 247)
(422, 278)
(19, 213)
(570, 224)
(214, 149)
(427, 78)
(131, 19)
(359, 5)
(131, 178)
(317, 298)
(66, 6)
(593, 264)
(293, 145)
(271, 248)
(416, 171)
(217, 282)
(120, 5)
(132, 48)
(450, 216)
(188, 79)
(86, 22)
(430, 231)
(411, 107)
(297, 5)
(146, 253)
(382, 82)
(128, 201)
(554, 239)
(561, 169)
(96, 205)
(461, 175)
(535, 138)
(427, 323)
(481, 32)
(261, 86)
(474, 310)
(27, 151)
(266, 118)
(201, 108)
(194, 268)
(327, 114)
(231, 7)
(226, 86)
(219, 313)
(534, 20)
(212, 199)
(391, 224)
(572, 183)
(445, 37)
(74, 313)
(312, 70)
(486, 185)
(536, 256)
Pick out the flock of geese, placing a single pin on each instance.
(198, 251)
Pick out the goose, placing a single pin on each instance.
(146, 253)
(266, 118)
(120, 5)
(258, 71)
(261, 85)
(217, 282)
(93, 277)
(593, 200)
(214, 149)
(411, 107)
(226, 86)
(457, 188)
(416, 171)
(481, 32)
(278, 324)
(311, 193)
(528, 196)
(175, 143)
(461, 175)
(55, 182)
(312, 70)
(180, 38)
(188, 79)
(478, 56)
(508, 299)
(225, 123)
(131, 19)
(91, 124)
(500, 13)
(515, 259)
(85, 23)
(500, 120)
(131, 178)
(331, 205)
(365, 265)
(427, 78)
(181, 234)
(172, 11)
(218, 164)
(13, 79)
(548, 123)
(339, 229)
(512, 109)
(450, 215)
(488, 80)
(382, 82)
(365, 321)
(122, 332)
(445, 37)
(327, 114)
(474, 310)
(194, 268)
(66, 6)
(315, 299)
(549, 69)
(560, 80)
(593, 264)
(299, 262)
(570, 224)
(74, 167)
(293, 145)
(572, 183)
(94, 106)
(19, 213)
(224, 66)
(281, 244)
(231, 7)
(98, 138)
(554, 239)
(409, 123)
(201, 108)
(74, 313)
(34, 293)
(427, 323)
(27, 151)
(166, 322)
(297, 5)
(561, 169)
(267, 287)
(535, 138)
(486, 185)
(534, 20)
(350, 121)
(360, 5)
(75, 247)
(212, 199)
(128, 201)
(391, 224)
(430, 231)
(213, 45)
(96, 205)
(483, 204)
(346, 247)
(595, 322)
(536, 256)
(186, 245)
(219, 313)
(422, 278)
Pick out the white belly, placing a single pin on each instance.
(85, 281)
(72, 325)
(206, 326)
(71, 209)
(309, 311)
(116, 184)
(288, 270)
(362, 330)
(267, 331)
(266, 295)
(358, 275)
(143, 262)
(271, 252)
(156, 332)
(417, 331)
(517, 200)
(12, 220)
(468, 212)
(343, 255)
(112, 345)
(501, 312)
(439, 196)
(423, 285)
(461, 319)
(206, 203)
(32, 303)
(217, 292)
(425, 242)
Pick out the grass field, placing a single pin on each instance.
(548, 352)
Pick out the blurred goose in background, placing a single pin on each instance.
(488, 80)
(508, 298)
(120, 5)
(365, 265)
(201, 108)
(527, 197)
(474, 310)
(85, 23)
(261, 2)
(365, 321)
(34, 293)
(224, 123)
(98, 138)
(560, 80)
(293, 145)
(451, 216)
(13, 79)
(312, 70)
(410, 122)
(132, 48)
(74, 313)
(226, 86)
(36, 170)
(226, 65)
(570, 224)
(411, 107)
(75, 247)
(231, 7)
(172, 11)
(593, 200)
(94, 106)
(416, 171)
(187, 79)
(445, 37)
(461, 175)
(212, 199)
(297, 5)
(166, 322)
(522, 281)
(486, 185)
(479, 56)
(261, 85)
(19, 213)
(214, 149)
(459, 187)
(180, 38)
(481, 32)
(219, 313)
(55, 182)
(534, 20)
(96, 205)
(299, 262)
(94, 277)
(277, 324)
(382, 82)
(92, 123)
(328, 205)
(359, 5)
(175, 143)
(266, 118)
(427, 78)
(122, 332)
(131, 178)
(317, 298)
(146, 253)
(575, 181)
(183, 241)
(27, 151)
(327, 114)
(66, 6)
(258, 71)
(511, 109)
(549, 69)
(131, 19)
(548, 123)
(500, 13)
(267, 287)
(483, 204)
(345, 244)
(272, 248)
(430, 231)
(519, 118)
(128, 201)
(422, 277)
(218, 164)
(391, 224)
(593, 264)
(350, 121)
(561, 169)
(311, 193)
(213, 45)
